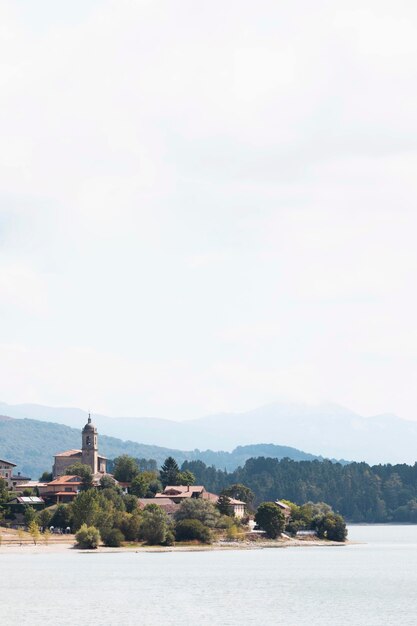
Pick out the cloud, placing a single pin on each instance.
(216, 204)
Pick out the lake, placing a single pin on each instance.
(371, 584)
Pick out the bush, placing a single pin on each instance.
(332, 527)
(197, 508)
(234, 534)
(188, 529)
(225, 521)
(88, 537)
(130, 526)
(114, 538)
(170, 539)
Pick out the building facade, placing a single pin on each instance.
(6, 471)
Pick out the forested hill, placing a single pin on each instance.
(31, 444)
(360, 492)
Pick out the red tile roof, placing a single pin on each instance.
(69, 453)
(64, 480)
(165, 503)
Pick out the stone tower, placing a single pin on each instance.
(90, 446)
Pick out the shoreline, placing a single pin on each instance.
(53, 547)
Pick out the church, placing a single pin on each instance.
(88, 455)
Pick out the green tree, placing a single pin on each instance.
(46, 477)
(130, 525)
(197, 508)
(62, 516)
(131, 503)
(108, 482)
(240, 492)
(223, 505)
(331, 526)
(154, 525)
(114, 538)
(34, 531)
(155, 486)
(189, 529)
(4, 494)
(125, 468)
(170, 472)
(84, 472)
(270, 519)
(139, 486)
(186, 478)
(44, 518)
(29, 515)
(88, 537)
(4, 498)
(85, 509)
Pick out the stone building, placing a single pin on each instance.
(6, 471)
(88, 455)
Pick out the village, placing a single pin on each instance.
(178, 510)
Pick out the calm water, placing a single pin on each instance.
(374, 584)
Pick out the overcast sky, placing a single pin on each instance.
(208, 206)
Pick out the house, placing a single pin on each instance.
(18, 481)
(166, 504)
(30, 484)
(62, 489)
(179, 493)
(6, 471)
(88, 455)
(285, 509)
(237, 507)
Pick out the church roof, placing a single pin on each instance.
(7, 463)
(69, 453)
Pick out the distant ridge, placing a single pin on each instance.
(31, 444)
(329, 430)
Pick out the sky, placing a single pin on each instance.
(208, 206)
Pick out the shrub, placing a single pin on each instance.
(88, 537)
(130, 526)
(332, 527)
(234, 534)
(187, 529)
(114, 538)
(170, 539)
(198, 509)
(225, 521)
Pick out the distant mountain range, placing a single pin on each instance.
(31, 444)
(327, 430)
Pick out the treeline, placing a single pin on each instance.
(358, 491)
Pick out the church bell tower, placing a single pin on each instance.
(90, 446)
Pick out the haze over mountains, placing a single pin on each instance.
(32, 444)
(325, 430)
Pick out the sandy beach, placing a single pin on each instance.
(12, 543)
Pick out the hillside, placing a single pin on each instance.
(31, 444)
(326, 429)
